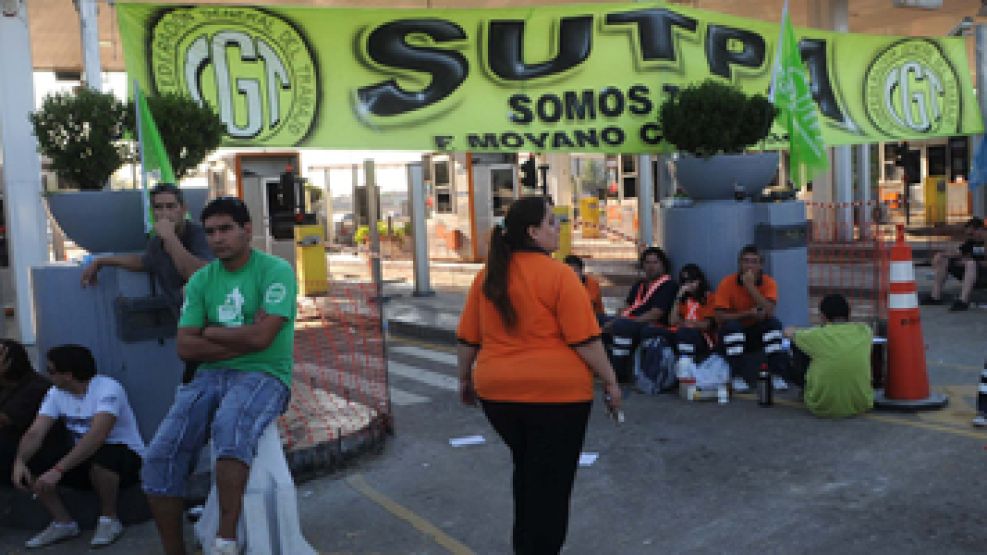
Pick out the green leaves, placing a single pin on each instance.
(713, 118)
(81, 133)
(189, 131)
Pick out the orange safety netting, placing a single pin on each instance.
(848, 253)
(339, 397)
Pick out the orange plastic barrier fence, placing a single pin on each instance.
(340, 403)
(848, 254)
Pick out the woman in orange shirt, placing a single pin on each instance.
(529, 345)
(694, 314)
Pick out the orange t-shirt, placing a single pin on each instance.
(595, 294)
(734, 297)
(534, 362)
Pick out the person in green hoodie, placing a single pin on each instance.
(831, 362)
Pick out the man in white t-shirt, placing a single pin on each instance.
(106, 450)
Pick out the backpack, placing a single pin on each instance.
(654, 366)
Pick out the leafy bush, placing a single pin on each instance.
(189, 131)
(713, 118)
(80, 133)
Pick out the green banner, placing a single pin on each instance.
(580, 78)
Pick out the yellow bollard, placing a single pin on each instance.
(310, 259)
(565, 231)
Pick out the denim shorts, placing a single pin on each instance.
(236, 405)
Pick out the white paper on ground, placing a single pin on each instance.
(587, 459)
(467, 440)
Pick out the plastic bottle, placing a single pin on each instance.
(765, 393)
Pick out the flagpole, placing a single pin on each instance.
(145, 201)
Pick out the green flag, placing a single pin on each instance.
(797, 111)
(154, 158)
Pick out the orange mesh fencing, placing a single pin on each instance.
(340, 403)
(848, 251)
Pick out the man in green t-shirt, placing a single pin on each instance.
(832, 362)
(238, 321)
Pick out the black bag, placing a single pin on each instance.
(654, 366)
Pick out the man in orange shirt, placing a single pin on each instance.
(591, 283)
(745, 303)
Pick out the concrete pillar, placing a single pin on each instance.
(419, 232)
(26, 232)
(89, 25)
(645, 201)
(376, 271)
(979, 207)
(560, 185)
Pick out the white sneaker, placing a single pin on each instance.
(108, 530)
(738, 385)
(225, 547)
(55, 532)
(979, 421)
(778, 383)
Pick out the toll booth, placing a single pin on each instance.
(495, 187)
(277, 206)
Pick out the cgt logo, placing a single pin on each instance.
(254, 67)
(912, 90)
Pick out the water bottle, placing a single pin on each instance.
(765, 393)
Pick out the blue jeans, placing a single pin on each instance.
(236, 406)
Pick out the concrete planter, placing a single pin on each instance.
(714, 178)
(110, 221)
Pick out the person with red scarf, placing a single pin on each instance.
(645, 315)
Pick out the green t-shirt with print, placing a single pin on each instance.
(217, 297)
(837, 383)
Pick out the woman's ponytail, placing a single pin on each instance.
(495, 284)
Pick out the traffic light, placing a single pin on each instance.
(529, 173)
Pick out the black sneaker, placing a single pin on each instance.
(959, 306)
(929, 300)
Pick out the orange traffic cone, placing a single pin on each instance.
(908, 381)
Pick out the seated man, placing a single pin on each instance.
(238, 319)
(832, 362)
(21, 392)
(745, 303)
(106, 453)
(646, 312)
(967, 265)
(591, 283)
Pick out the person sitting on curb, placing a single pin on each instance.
(968, 265)
(745, 304)
(831, 362)
(694, 315)
(21, 392)
(107, 449)
(591, 283)
(645, 315)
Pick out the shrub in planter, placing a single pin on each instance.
(80, 133)
(716, 123)
(189, 131)
(715, 118)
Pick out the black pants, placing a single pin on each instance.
(692, 343)
(545, 441)
(760, 338)
(798, 367)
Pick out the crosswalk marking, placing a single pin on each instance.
(434, 356)
(433, 379)
(405, 398)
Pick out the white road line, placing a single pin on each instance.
(405, 398)
(435, 356)
(433, 379)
